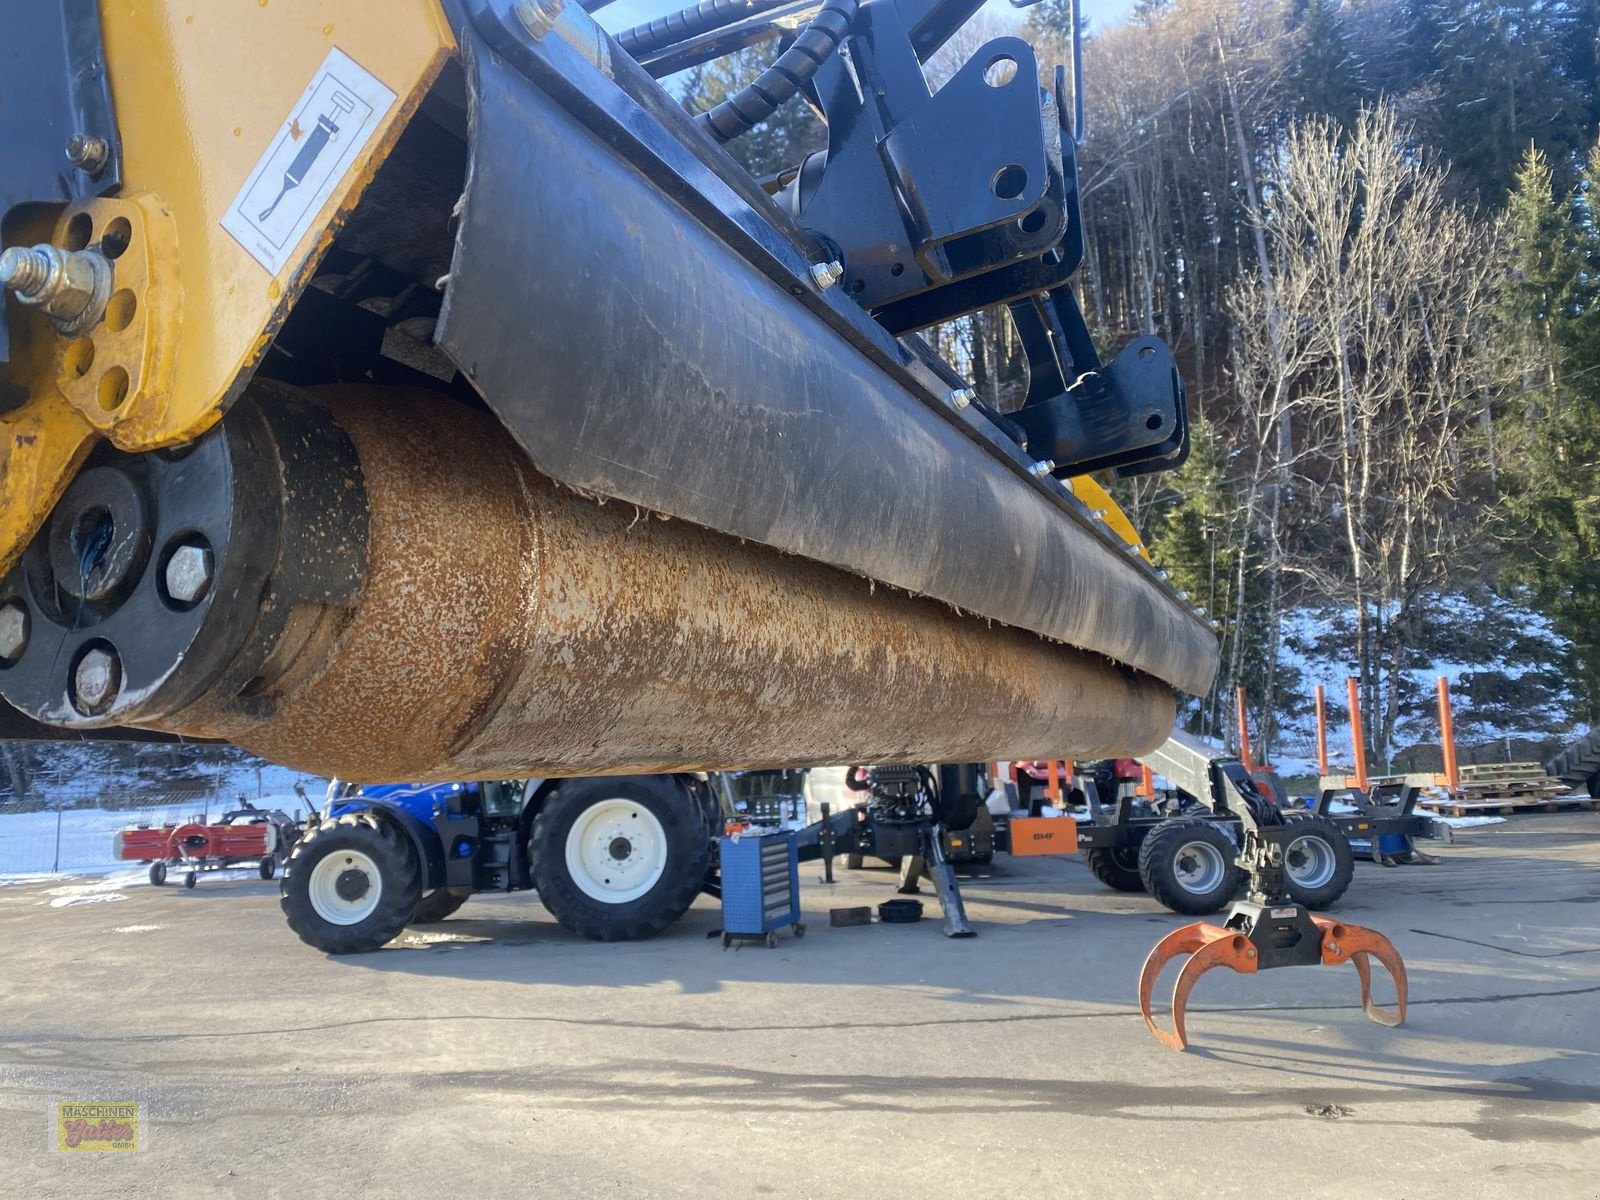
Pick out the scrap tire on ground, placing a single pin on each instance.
(1318, 862)
(1116, 866)
(436, 906)
(351, 884)
(1187, 864)
(616, 858)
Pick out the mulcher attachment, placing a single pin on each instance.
(1267, 930)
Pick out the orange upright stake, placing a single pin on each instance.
(1244, 728)
(1147, 783)
(1053, 784)
(1322, 734)
(1447, 734)
(1358, 733)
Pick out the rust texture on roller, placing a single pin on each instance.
(509, 627)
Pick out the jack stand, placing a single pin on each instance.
(1267, 930)
(933, 862)
(827, 842)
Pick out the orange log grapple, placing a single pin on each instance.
(1265, 930)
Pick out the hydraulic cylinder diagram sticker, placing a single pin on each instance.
(334, 118)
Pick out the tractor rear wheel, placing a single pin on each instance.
(1187, 864)
(617, 858)
(351, 884)
(1116, 866)
(436, 906)
(1317, 862)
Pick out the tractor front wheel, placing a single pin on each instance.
(350, 885)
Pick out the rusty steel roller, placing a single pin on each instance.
(377, 584)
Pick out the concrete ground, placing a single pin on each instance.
(497, 1055)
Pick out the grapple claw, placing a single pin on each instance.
(1357, 944)
(1209, 946)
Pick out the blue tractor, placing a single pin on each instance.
(612, 857)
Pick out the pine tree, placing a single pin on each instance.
(1552, 484)
(1325, 78)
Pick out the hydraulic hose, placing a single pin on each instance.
(690, 22)
(794, 68)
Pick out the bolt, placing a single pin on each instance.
(963, 396)
(538, 17)
(188, 573)
(70, 286)
(13, 631)
(1099, 514)
(825, 275)
(24, 271)
(88, 153)
(1161, 573)
(97, 681)
(1043, 467)
(1134, 547)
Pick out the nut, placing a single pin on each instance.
(188, 573)
(962, 397)
(88, 153)
(13, 631)
(97, 680)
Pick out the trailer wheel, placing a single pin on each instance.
(191, 879)
(267, 867)
(350, 885)
(1116, 866)
(1187, 864)
(1317, 862)
(158, 874)
(436, 906)
(616, 858)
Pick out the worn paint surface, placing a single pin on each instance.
(510, 627)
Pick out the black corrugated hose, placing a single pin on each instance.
(794, 68)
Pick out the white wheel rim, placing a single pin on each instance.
(339, 894)
(1309, 862)
(616, 851)
(1199, 867)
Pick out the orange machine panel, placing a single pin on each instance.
(1044, 835)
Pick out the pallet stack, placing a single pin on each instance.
(1500, 789)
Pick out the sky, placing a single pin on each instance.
(622, 14)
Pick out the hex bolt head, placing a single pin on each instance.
(97, 681)
(963, 396)
(1043, 467)
(88, 153)
(825, 275)
(188, 574)
(13, 631)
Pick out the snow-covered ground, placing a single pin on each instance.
(78, 839)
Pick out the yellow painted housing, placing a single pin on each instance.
(200, 89)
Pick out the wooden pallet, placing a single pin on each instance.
(1518, 771)
(1508, 808)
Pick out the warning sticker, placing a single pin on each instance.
(334, 118)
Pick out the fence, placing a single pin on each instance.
(61, 805)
